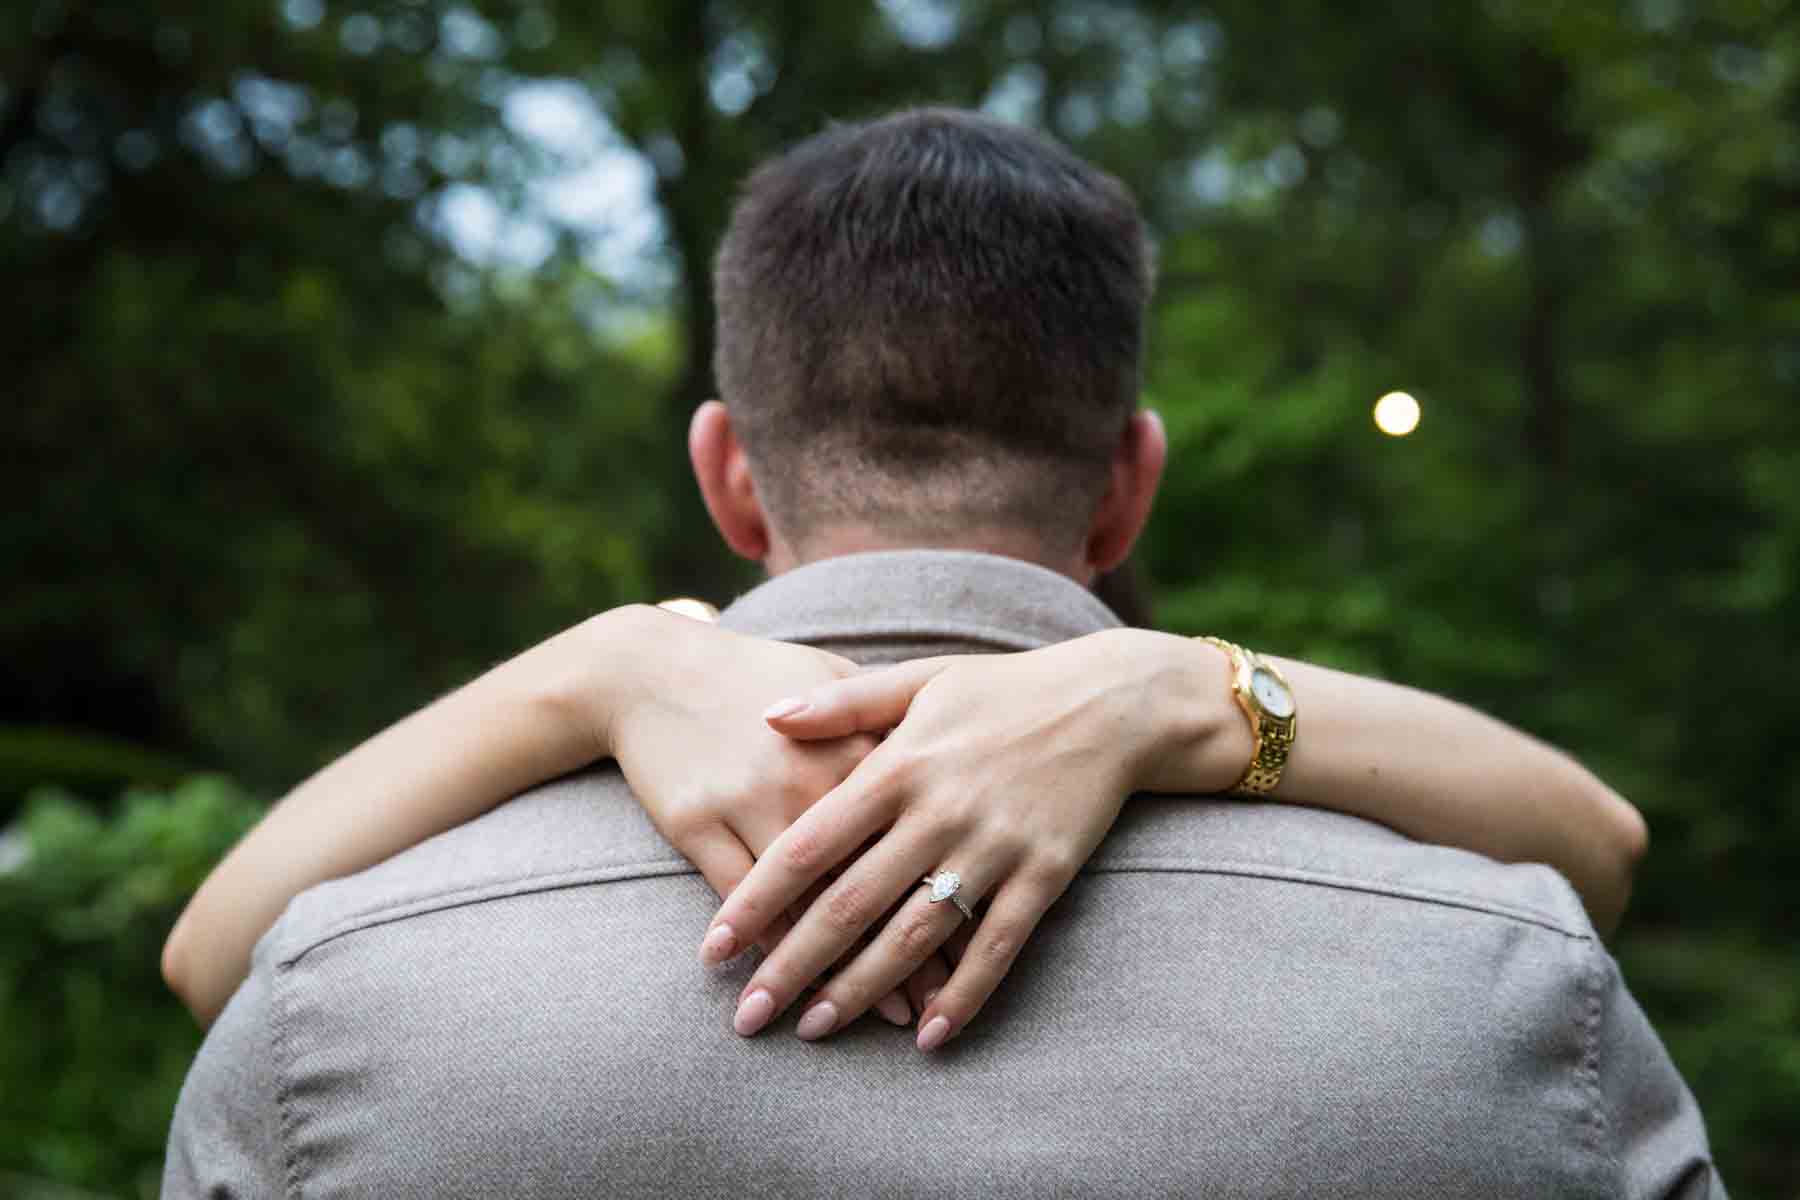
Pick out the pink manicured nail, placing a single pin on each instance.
(792, 706)
(934, 1033)
(721, 944)
(894, 1009)
(818, 1021)
(754, 1012)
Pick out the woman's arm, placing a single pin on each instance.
(514, 727)
(1431, 768)
(634, 683)
(1439, 771)
(1013, 767)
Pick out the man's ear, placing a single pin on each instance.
(723, 473)
(1137, 468)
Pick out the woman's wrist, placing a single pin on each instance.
(1190, 736)
(588, 678)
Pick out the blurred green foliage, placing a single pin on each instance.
(284, 463)
(96, 1047)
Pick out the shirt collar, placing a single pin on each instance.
(952, 595)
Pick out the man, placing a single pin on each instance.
(928, 350)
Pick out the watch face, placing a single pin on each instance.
(1271, 693)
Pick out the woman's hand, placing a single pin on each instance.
(678, 702)
(1007, 770)
(712, 776)
(689, 736)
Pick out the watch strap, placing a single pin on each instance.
(1274, 736)
(1274, 739)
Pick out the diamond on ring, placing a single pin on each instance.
(944, 886)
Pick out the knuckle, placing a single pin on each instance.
(996, 948)
(941, 820)
(915, 936)
(846, 906)
(748, 909)
(896, 772)
(682, 824)
(803, 850)
(692, 807)
(1007, 843)
(1055, 866)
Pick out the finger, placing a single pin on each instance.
(854, 902)
(757, 826)
(798, 908)
(994, 946)
(958, 945)
(865, 703)
(894, 1009)
(925, 982)
(723, 861)
(900, 949)
(752, 830)
(822, 837)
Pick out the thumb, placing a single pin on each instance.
(866, 703)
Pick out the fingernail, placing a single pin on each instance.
(784, 708)
(894, 1009)
(754, 1012)
(934, 1033)
(818, 1021)
(721, 943)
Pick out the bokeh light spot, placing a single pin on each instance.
(1396, 414)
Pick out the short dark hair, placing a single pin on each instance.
(931, 321)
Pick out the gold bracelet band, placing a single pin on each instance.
(1261, 700)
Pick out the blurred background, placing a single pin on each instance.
(348, 349)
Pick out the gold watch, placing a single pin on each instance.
(1262, 691)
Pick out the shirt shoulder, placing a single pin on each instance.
(1311, 848)
(588, 829)
(583, 829)
(226, 1138)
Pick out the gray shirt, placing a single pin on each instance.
(1233, 999)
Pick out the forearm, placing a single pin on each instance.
(1428, 767)
(1441, 772)
(528, 720)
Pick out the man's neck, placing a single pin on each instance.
(784, 556)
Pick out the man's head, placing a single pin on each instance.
(929, 333)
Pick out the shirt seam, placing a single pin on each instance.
(282, 1055)
(1587, 1070)
(498, 890)
(662, 868)
(1440, 896)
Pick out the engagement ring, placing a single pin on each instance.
(944, 886)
